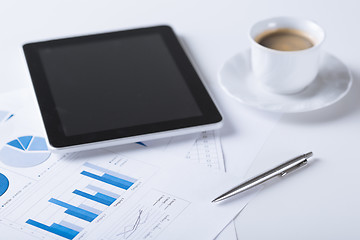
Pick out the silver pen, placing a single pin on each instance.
(280, 170)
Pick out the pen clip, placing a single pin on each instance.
(301, 164)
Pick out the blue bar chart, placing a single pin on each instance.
(98, 197)
(55, 228)
(100, 188)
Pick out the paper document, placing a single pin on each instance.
(125, 192)
(130, 194)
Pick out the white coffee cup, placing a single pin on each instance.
(286, 72)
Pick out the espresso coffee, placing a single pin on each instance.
(284, 39)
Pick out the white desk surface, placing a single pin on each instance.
(320, 202)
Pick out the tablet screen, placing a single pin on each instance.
(116, 83)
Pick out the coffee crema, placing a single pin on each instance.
(285, 39)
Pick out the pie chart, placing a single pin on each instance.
(4, 184)
(25, 151)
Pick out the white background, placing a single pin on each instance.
(321, 202)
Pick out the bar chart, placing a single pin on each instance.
(89, 194)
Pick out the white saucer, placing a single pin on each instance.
(332, 83)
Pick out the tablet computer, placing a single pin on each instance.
(119, 87)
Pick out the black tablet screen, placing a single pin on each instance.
(116, 83)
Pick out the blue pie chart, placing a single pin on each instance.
(25, 151)
(4, 184)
